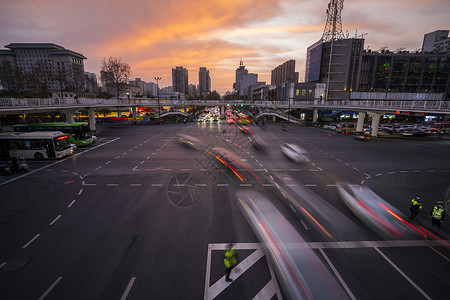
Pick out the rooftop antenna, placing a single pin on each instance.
(241, 63)
(333, 26)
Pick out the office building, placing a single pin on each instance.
(180, 80)
(284, 73)
(204, 81)
(52, 66)
(436, 41)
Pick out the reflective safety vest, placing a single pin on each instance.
(230, 260)
(417, 204)
(437, 212)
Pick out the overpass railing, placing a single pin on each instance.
(383, 105)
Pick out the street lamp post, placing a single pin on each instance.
(157, 92)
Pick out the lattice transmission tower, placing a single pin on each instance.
(333, 27)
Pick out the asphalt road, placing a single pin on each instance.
(139, 216)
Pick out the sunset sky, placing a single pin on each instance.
(155, 36)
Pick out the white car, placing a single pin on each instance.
(295, 152)
(73, 146)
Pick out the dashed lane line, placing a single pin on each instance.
(50, 289)
(54, 221)
(32, 240)
(128, 289)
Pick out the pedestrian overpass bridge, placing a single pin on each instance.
(376, 108)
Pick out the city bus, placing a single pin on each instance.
(79, 132)
(35, 145)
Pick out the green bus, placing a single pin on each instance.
(79, 132)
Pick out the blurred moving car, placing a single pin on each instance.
(295, 152)
(300, 271)
(378, 214)
(190, 141)
(73, 146)
(361, 135)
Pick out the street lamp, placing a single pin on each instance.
(157, 92)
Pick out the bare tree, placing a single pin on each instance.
(12, 78)
(77, 80)
(115, 73)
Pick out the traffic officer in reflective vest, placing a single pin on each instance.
(229, 261)
(437, 214)
(416, 207)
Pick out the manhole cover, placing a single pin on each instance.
(15, 263)
(184, 190)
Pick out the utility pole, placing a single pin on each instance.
(157, 92)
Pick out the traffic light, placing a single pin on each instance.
(128, 96)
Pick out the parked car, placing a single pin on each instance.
(156, 122)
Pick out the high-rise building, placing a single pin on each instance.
(180, 80)
(284, 73)
(241, 71)
(204, 81)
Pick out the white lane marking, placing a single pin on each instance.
(79, 193)
(142, 162)
(3, 264)
(320, 169)
(57, 162)
(81, 177)
(356, 169)
(331, 185)
(402, 273)
(362, 182)
(341, 280)
(185, 170)
(295, 170)
(98, 168)
(292, 208)
(346, 164)
(268, 291)
(32, 240)
(179, 184)
(339, 159)
(367, 175)
(445, 257)
(56, 219)
(50, 288)
(108, 162)
(240, 268)
(86, 175)
(124, 153)
(127, 290)
(117, 157)
(112, 184)
(135, 184)
(148, 157)
(88, 184)
(268, 184)
(389, 173)
(431, 171)
(71, 203)
(310, 184)
(157, 184)
(245, 184)
(304, 225)
(403, 171)
(200, 184)
(222, 184)
(416, 171)
(379, 174)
